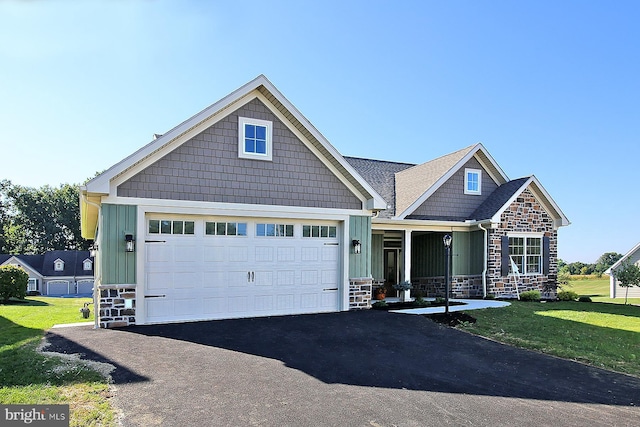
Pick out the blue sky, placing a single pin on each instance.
(551, 88)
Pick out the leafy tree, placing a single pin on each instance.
(4, 213)
(13, 282)
(44, 219)
(627, 276)
(606, 260)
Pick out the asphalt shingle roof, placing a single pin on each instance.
(497, 199)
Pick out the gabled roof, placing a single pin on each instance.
(43, 264)
(30, 262)
(630, 254)
(382, 177)
(506, 194)
(415, 185)
(106, 183)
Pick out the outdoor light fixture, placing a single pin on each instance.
(93, 250)
(357, 247)
(447, 270)
(130, 243)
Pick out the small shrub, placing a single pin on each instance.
(402, 286)
(420, 302)
(439, 300)
(567, 296)
(584, 299)
(530, 296)
(379, 304)
(490, 296)
(13, 282)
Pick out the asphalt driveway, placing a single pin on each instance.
(367, 368)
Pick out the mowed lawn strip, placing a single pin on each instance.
(28, 377)
(599, 334)
(597, 288)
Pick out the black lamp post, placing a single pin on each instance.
(447, 270)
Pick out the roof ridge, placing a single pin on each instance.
(380, 161)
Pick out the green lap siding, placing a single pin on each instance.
(467, 251)
(427, 254)
(377, 256)
(118, 266)
(360, 229)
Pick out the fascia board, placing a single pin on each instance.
(444, 178)
(563, 221)
(101, 183)
(623, 259)
(503, 178)
(376, 201)
(22, 263)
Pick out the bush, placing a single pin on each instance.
(530, 296)
(13, 282)
(379, 304)
(584, 299)
(420, 302)
(440, 300)
(567, 296)
(490, 296)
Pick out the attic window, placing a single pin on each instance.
(473, 181)
(254, 139)
(87, 265)
(58, 265)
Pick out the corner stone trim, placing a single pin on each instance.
(360, 293)
(113, 313)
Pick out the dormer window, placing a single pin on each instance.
(58, 265)
(87, 265)
(473, 181)
(254, 139)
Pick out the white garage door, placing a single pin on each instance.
(215, 268)
(58, 287)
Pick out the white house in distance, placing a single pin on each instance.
(615, 290)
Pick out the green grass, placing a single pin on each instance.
(28, 377)
(599, 334)
(597, 289)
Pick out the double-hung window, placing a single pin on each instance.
(526, 253)
(254, 139)
(472, 181)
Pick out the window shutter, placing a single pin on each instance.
(504, 268)
(546, 256)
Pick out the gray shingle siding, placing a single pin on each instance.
(449, 201)
(207, 168)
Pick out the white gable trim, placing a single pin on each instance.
(444, 178)
(14, 260)
(623, 259)
(551, 207)
(108, 182)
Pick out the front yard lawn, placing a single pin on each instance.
(599, 334)
(28, 377)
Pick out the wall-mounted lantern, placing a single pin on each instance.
(130, 243)
(357, 246)
(93, 250)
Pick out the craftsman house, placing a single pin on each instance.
(245, 209)
(615, 290)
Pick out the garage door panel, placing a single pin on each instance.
(227, 276)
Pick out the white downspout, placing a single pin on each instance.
(96, 278)
(484, 271)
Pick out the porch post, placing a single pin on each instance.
(407, 261)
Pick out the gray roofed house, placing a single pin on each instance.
(56, 273)
(615, 290)
(246, 209)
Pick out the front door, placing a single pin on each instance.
(391, 270)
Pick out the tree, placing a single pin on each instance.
(13, 282)
(4, 213)
(43, 219)
(627, 276)
(606, 260)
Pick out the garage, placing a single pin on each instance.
(200, 268)
(58, 287)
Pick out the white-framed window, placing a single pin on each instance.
(225, 228)
(255, 139)
(472, 181)
(319, 231)
(274, 230)
(167, 226)
(526, 253)
(87, 264)
(32, 286)
(58, 265)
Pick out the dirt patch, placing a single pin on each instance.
(405, 305)
(452, 319)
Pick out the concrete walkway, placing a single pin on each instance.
(466, 304)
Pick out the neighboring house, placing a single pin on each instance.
(56, 272)
(615, 290)
(245, 209)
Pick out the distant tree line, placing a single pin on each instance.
(36, 220)
(605, 261)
